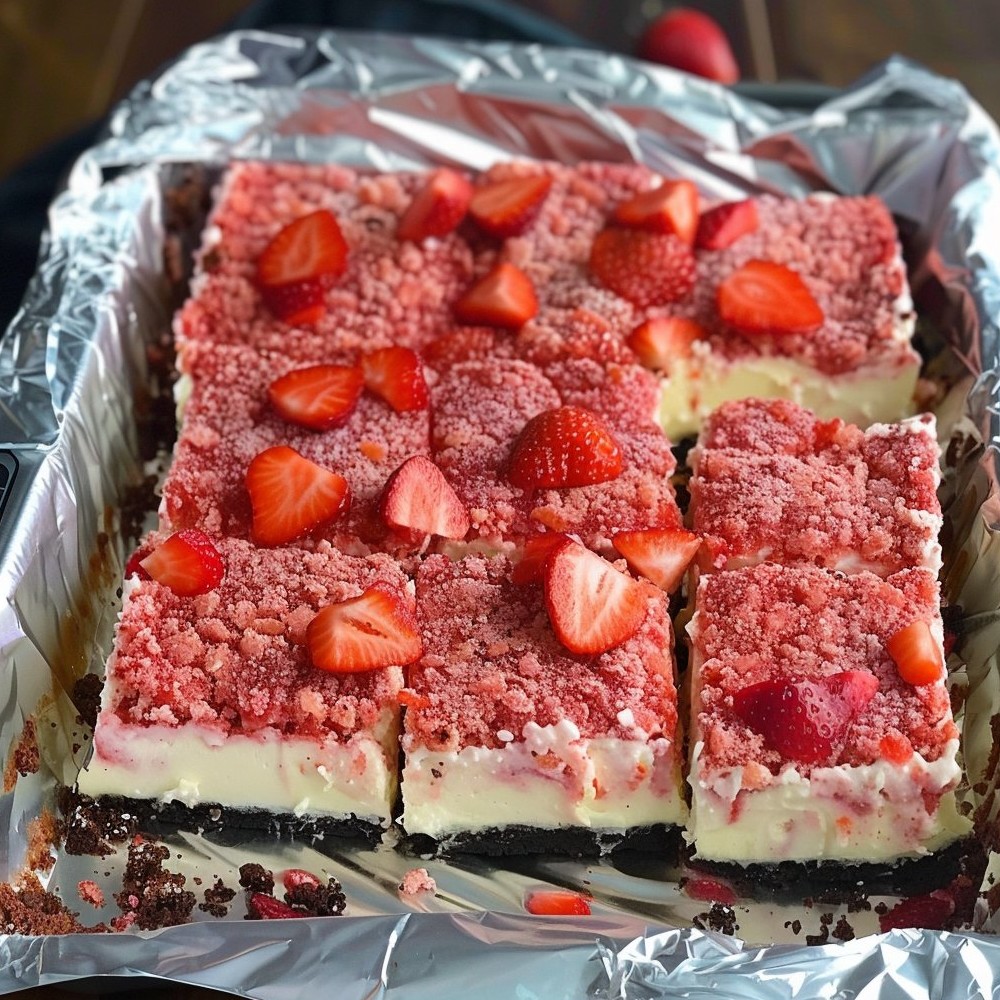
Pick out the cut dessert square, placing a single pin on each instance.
(513, 743)
(821, 725)
(212, 699)
(773, 483)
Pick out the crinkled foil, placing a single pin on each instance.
(73, 365)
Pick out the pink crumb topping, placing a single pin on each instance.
(492, 664)
(90, 892)
(415, 881)
(769, 622)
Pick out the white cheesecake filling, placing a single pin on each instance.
(550, 779)
(197, 764)
(867, 813)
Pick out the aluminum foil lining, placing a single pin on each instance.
(74, 362)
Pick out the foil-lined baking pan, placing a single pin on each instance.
(75, 367)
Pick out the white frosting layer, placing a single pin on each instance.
(551, 778)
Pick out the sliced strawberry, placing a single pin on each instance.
(661, 555)
(295, 877)
(932, 912)
(396, 374)
(708, 889)
(530, 567)
(658, 342)
(567, 446)
(437, 208)
(133, 567)
(364, 633)
(556, 903)
(722, 226)
(764, 297)
(917, 654)
(592, 606)
(504, 297)
(298, 265)
(260, 906)
(291, 496)
(506, 208)
(646, 268)
(670, 208)
(413, 700)
(318, 397)
(418, 498)
(187, 562)
(804, 719)
(690, 41)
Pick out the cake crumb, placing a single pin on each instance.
(90, 892)
(154, 896)
(24, 757)
(43, 834)
(415, 881)
(88, 827)
(27, 908)
(217, 899)
(256, 878)
(87, 698)
(318, 900)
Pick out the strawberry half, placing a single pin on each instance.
(318, 397)
(917, 654)
(530, 568)
(658, 342)
(418, 498)
(187, 563)
(556, 903)
(364, 633)
(260, 906)
(661, 555)
(804, 719)
(646, 268)
(564, 447)
(670, 208)
(503, 297)
(506, 208)
(291, 496)
(722, 226)
(764, 297)
(437, 208)
(397, 376)
(592, 606)
(299, 264)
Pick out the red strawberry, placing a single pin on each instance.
(133, 566)
(567, 446)
(437, 208)
(708, 889)
(826, 433)
(931, 912)
(298, 265)
(418, 498)
(658, 342)
(318, 397)
(364, 633)
(661, 555)
(295, 877)
(536, 550)
(646, 268)
(722, 226)
(804, 719)
(506, 208)
(556, 903)
(290, 496)
(592, 606)
(260, 906)
(690, 41)
(395, 374)
(187, 562)
(917, 654)
(670, 208)
(764, 297)
(504, 297)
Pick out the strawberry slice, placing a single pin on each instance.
(506, 208)
(709, 889)
(764, 297)
(293, 878)
(291, 496)
(187, 563)
(418, 498)
(658, 342)
(661, 555)
(438, 208)
(932, 912)
(536, 550)
(556, 903)
(722, 226)
(646, 268)
(395, 374)
(364, 633)
(670, 208)
(691, 41)
(567, 446)
(504, 297)
(299, 264)
(318, 397)
(804, 719)
(261, 906)
(917, 654)
(592, 606)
